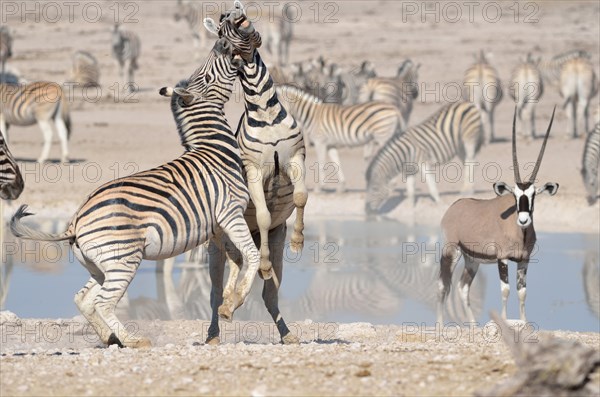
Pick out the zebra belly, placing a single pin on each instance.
(280, 207)
(22, 120)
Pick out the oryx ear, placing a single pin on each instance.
(551, 188)
(237, 4)
(501, 188)
(211, 26)
(185, 95)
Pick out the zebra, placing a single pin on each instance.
(11, 181)
(591, 162)
(578, 85)
(454, 130)
(126, 48)
(526, 88)
(40, 102)
(5, 46)
(86, 71)
(482, 87)
(353, 80)
(167, 210)
(278, 35)
(273, 154)
(400, 91)
(331, 126)
(551, 69)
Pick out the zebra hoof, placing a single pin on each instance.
(290, 339)
(266, 274)
(297, 243)
(225, 313)
(138, 343)
(213, 341)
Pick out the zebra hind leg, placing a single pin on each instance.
(63, 135)
(216, 261)
(296, 171)
(47, 133)
(118, 276)
(84, 300)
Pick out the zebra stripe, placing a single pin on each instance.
(86, 71)
(126, 48)
(483, 88)
(273, 153)
(167, 210)
(5, 46)
(550, 69)
(11, 181)
(331, 126)
(400, 91)
(454, 130)
(591, 162)
(526, 88)
(41, 102)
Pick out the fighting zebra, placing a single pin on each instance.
(591, 162)
(400, 91)
(167, 210)
(278, 35)
(273, 153)
(483, 88)
(5, 47)
(454, 130)
(86, 71)
(126, 48)
(41, 102)
(331, 126)
(578, 85)
(526, 88)
(551, 69)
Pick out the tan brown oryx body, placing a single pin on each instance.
(483, 88)
(165, 211)
(494, 230)
(41, 102)
(273, 153)
(526, 88)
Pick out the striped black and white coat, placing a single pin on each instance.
(482, 87)
(126, 48)
(454, 130)
(42, 103)
(273, 153)
(331, 126)
(591, 163)
(526, 88)
(11, 181)
(165, 211)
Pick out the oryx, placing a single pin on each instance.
(494, 230)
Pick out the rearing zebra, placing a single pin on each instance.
(330, 126)
(267, 134)
(454, 130)
(44, 103)
(167, 210)
(126, 48)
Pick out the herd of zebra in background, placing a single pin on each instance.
(333, 106)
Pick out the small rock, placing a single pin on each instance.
(8, 317)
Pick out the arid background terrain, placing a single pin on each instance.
(116, 133)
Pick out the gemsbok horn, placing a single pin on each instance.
(494, 230)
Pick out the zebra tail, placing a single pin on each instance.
(26, 233)
(66, 116)
(276, 174)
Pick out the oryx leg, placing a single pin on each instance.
(430, 179)
(504, 285)
(450, 256)
(63, 136)
(522, 288)
(270, 292)
(46, 128)
(118, 275)
(263, 216)
(335, 158)
(296, 171)
(471, 267)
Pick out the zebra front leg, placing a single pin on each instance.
(335, 158)
(431, 182)
(118, 276)
(239, 234)
(522, 288)
(321, 149)
(471, 267)
(47, 134)
(296, 172)
(63, 135)
(410, 190)
(504, 285)
(270, 292)
(263, 216)
(216, 263)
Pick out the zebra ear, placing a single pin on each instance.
(185, 95)
(211, 26)
(166, 91)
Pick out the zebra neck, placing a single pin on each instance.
(259, 90)
(204, 125)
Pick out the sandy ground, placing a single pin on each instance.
(117, 134)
